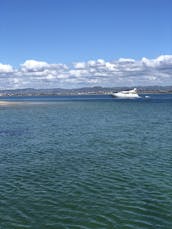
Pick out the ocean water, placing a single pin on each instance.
(86, 162)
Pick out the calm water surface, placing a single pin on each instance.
(86, 162)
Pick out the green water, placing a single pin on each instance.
(99, 163)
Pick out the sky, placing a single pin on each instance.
(77, 43)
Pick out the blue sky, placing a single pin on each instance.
(69, 31)
(75, 30)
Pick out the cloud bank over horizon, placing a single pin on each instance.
(121, 72)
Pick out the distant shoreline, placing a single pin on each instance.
(84, 91)
(76, 94)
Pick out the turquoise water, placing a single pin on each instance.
(86, 162)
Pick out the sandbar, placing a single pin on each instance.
(4, 103)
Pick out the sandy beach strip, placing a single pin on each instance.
(10, 103)
(5, 103)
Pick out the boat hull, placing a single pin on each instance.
(125, 96)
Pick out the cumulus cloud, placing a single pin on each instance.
(5, 68)
(121, 72)
(33, 65)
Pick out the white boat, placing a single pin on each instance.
(126, 94)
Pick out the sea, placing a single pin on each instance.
(83, 162)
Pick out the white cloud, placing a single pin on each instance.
(161, 61)
(164, 59)
(33, 65)
(79, 65)
(122, 72)
(126, 60)
(5, 68)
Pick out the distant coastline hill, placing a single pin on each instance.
(83, 91)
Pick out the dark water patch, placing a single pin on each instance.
(13, 132)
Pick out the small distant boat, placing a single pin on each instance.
(126, 94)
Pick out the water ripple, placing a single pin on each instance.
(81, 165)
